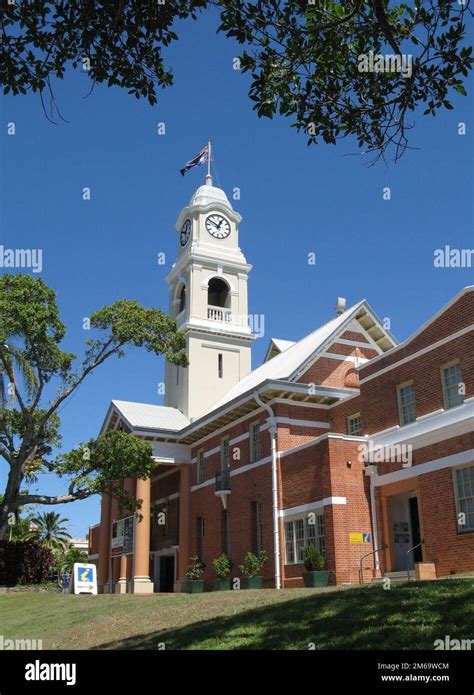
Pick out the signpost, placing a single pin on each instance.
(85, 578)
(122, 536)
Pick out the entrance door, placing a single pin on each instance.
(401, 508)
(415, 528)
(167, 573)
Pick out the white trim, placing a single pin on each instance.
(353, 343)
(302, 423)
(429, 429)
(174, 496)
(414, 355)
(303, 508)
(458, 459)
(344, 358)
(440, 312)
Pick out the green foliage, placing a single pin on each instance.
(313, 560)
(25, 562)
(195, 568)
(51, 530)
(222, 566)
(64, 561)
(30, 336)
(303, 57)
(101, 464)
(253, 563)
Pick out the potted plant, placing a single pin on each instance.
(315, 575)
(222, 567)
(250, 569)
(194, 585)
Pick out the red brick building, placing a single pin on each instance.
(345, 439)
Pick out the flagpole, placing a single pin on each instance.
(209, 157)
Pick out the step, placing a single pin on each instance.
(394, 577)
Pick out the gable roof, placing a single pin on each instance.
(289, 363)
(276, 346)
(148, 416)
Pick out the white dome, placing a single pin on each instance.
(209, 194)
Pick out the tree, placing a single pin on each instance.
(29, 428)
(304, 56)
(51, 530)
(64, 562)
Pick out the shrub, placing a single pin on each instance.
(313, 560)
(195, 568)
(253, 564)
(222, 566)
(26, 562)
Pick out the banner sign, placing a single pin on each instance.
(122, 536)
(85, 578)
(359, 538)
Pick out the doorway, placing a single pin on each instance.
(405, 531)
(164, 573)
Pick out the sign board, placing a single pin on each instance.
(122, 536)
(85, 578)
(359, 538)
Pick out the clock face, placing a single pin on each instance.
(218, 226)
(185, 232)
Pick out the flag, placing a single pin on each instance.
(200, 158)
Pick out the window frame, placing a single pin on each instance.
(225, 440)
(348, 420)
(459, 528)
(318, 539)
(255, 444)
(401, 405)
(200, 467)
(443, 367)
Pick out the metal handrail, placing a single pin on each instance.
(223, 480)
(408, 552)
(372, 552)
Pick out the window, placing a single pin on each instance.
(225, 459)
(257, 527)
(254, 442)
(406, 403)
(225, 532)
(354, 426)
(452, 378)
(200, 467)
(220, 365)
(218, 293)
(300, 532)
(182, 299)
(200, 537)
(464, 488)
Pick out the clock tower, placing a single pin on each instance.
(208, 300)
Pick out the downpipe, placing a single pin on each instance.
(276, 532)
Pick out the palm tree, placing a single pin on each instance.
(51, 531)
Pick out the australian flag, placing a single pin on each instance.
(200, 158)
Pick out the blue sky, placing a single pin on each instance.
(294, 200)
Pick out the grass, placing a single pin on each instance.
(408, 616)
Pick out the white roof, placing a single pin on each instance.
(282, 345)
(147, 416)
(209, 194)
(283, 366)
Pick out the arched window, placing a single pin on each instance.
(182, 299)
(218, 293)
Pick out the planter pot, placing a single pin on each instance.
(222, 584)
(315, 579)
(251, 582)
(193, 586)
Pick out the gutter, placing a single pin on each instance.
(272, 422)
(372, 472)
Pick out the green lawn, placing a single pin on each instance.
(408, 616)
